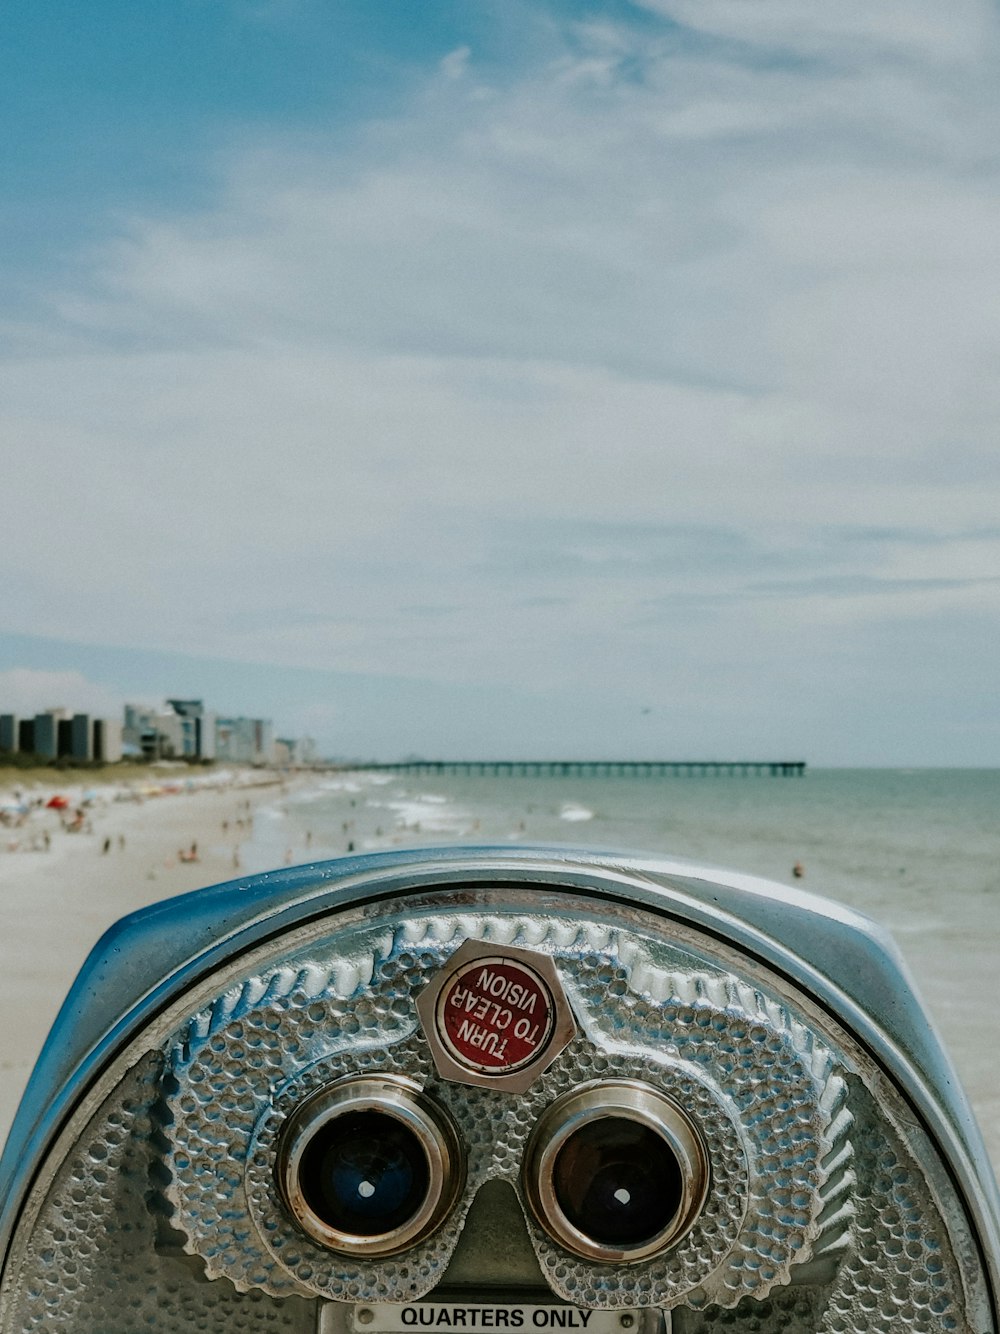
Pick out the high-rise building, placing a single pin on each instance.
(190, 712)
(182, 729)
(244, 740)
(81, 737)
(64, 738)
(296, 752)
(107, 740)
(197, 728)
(155, 735)
(46, 739)
(9, 732)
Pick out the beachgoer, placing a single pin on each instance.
(107, 846)
(798, 870)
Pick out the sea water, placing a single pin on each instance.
(919, 850)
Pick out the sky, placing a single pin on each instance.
(488, 378)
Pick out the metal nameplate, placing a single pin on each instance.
(392, 1318)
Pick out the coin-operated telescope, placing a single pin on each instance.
(501, 1089)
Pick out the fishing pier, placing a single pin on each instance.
(588, 768)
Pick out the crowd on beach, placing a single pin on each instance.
(78, 851)
(31, 815)
(47, 817)
(32, 820)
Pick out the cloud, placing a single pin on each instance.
(26, 691)
(586, 351)
(914, 30)
(456, 63)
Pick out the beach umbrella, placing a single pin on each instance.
(57, 803)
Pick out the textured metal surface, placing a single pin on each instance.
(224, 1106)
(103, 1259)
(151, 958)
(829, 1211)
(764, 1092)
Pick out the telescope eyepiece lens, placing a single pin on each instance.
(615, 1171)
(618, 1181)
(364, 1173)
(370, 1165)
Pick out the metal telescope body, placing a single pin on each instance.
(497, 1088)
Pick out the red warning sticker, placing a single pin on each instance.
(495, 1015)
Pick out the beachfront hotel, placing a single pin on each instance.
(183, 729)
(57, 734)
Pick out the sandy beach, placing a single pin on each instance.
(60, 892)
(58, 899)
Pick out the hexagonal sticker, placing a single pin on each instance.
(495, 1016)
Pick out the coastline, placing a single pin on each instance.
(58, 900)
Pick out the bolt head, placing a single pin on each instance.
(495, 1016)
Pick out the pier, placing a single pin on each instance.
(588, 768)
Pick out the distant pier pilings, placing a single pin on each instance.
(587, 768)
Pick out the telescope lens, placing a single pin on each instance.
(615, 1171)
(617, 1181)
(364, 1173)
(369, 1165)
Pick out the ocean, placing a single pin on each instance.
(917, 849)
